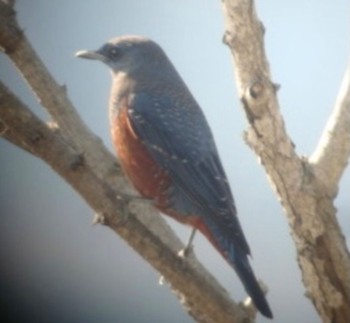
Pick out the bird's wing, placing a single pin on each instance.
(177, 136)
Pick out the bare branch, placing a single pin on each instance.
(331, 155)
(322, 254)
(51, 95)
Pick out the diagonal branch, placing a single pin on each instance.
(331, 156)
(52, 96)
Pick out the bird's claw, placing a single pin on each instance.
(185, 252)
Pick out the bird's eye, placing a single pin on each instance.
(114, 52)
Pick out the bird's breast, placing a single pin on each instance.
(146, 175)
(151, 181)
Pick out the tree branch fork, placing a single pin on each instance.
(306, 187)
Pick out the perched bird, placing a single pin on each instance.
(166, 148)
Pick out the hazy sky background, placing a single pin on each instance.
(55, 266)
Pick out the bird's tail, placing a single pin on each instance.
(251, 285)
(238, 259)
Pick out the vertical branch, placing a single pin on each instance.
(321, 249)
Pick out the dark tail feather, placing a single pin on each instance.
(251, 285)
(238, 259)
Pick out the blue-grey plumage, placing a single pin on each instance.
(166, 147)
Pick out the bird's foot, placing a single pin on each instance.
(185, 252)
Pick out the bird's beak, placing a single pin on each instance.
(90, 55)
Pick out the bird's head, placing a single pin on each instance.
(127, 54)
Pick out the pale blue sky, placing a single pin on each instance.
(58, 267)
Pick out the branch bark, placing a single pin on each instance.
(52, 96)
(302, 185)
(80, 158)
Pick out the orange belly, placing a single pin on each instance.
(148, 178)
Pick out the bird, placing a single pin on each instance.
(166, 148)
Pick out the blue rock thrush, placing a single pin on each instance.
(166, 148)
